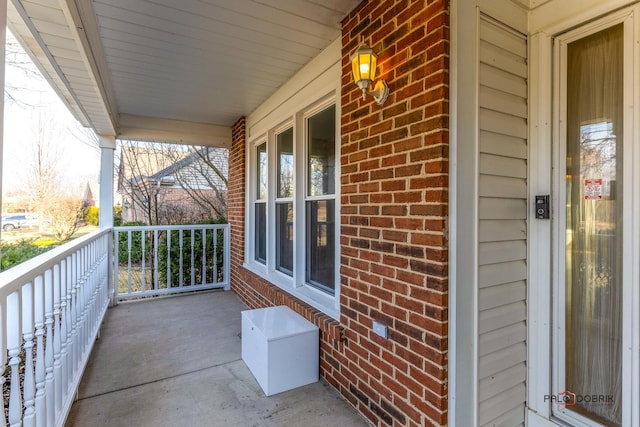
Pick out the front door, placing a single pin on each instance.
(597, 223)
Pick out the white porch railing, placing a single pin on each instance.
(51, 308)
(155, 260)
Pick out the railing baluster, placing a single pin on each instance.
(57, 342)
(215, 255)
(168, 259)
(204, 256)
(88, 284)
(193, 268)
(82, 294)
(93, 266)
(116, 267)
(155, 259)
(129, 238)
(181, 244)
(28, 419)
(40, 404)
(64, 327)
(143, 237)
(14, 333)
(49, 348)
(74, 314)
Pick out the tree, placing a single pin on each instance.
(137, 162)
(165, 184)
(65, 214)
(208, 170)
(42, 180)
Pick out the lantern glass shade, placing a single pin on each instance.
(363, 63)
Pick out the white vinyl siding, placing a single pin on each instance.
(502, 225)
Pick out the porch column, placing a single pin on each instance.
(3, 39)
(107, 150)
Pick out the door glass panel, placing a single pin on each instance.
(593, 313)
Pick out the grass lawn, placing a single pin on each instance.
(41, 239)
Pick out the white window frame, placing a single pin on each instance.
(295, 285)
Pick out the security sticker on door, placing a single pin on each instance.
(593, 189)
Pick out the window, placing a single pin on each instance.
(590, 354)
(284, 202)
(293, 237)
(320, 203)
(260, 205)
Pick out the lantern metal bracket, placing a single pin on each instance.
(379, 93)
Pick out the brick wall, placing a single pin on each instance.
(235, 194)
(394, 162)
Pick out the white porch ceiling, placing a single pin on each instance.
(167, 64)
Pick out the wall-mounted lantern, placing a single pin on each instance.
(363, 63)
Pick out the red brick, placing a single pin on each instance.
(410, 170)
(381, 198)
(394, 285)
(395, 185)
(394, 259)
(408, 144)
(407, 197)
(394, 235)
(381, 150)
(398, 159)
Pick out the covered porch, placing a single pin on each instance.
(360, 248)
(165, 73)
(176, 361)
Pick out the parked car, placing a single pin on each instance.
(15, 221)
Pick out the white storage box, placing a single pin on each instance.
(281, 348)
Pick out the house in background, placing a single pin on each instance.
(468, 248)
(87, 196)
(176, 187)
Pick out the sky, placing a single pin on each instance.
(79, 158)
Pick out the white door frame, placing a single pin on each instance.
(543, 268)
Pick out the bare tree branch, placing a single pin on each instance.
(17, 60)
(165, 183)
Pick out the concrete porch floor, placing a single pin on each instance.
(176, 361)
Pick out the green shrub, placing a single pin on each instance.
(117, 216)
(16, 253)
(91, 215)
(214, 246)
(136, 244)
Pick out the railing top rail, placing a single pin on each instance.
(13, 278)
(170, 227)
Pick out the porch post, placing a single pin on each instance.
(107, 150)
(3, 39)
